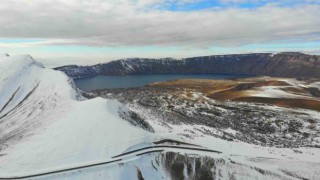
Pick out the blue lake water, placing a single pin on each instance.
(112, 82)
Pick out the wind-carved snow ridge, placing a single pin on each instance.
(46, 124)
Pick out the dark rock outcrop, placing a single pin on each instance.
(286, 64)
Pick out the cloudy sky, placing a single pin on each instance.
(99, 30)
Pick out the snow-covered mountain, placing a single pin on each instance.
(286, 64)
(48, 130)
(45, 124)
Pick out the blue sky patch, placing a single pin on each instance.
(211, 4)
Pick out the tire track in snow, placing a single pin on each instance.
(21, 102)
(13, 95)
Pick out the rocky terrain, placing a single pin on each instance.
(190, 109)
(287, 64)
(283, 92)
(258, 124)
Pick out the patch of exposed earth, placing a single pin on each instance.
(284, 92)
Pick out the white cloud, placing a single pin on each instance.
(130, 23)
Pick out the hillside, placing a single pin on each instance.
(46, 124)
(277, 65)
(51, 130)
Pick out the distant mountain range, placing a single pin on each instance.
(285, 64)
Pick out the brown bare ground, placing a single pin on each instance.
(242, 90)
(294, 90)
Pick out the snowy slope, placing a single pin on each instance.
(281, 154)
(43, 125)
(46, 125)
(279, 92)
(316, 85)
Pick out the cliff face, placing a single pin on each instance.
(277, 65)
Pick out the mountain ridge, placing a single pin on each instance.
(285, 64)
(49, 130)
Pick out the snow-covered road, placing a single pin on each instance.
(123, 157)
